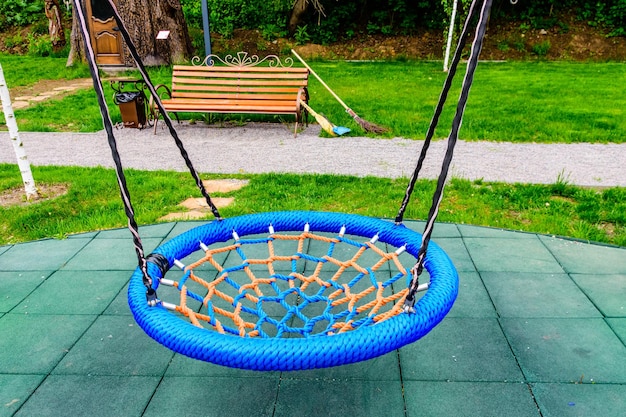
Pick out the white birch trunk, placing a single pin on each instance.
(450, 33)
(20, 153)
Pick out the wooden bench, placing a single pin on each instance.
(240, 84)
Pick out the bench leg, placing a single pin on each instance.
(156, 120)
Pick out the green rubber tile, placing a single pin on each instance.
(15, 286)
(109, 255)
(584, 258)
(41, 255)
(382, 368)
(516, 255)
(4, 249)
(492, 232)
(14, 390)
(485, 399)
(160, 230)
(339, 398)
(619, 327)
(214, 396)
(33, 343)
(184, 366)
(75, 292)
(439, 230)
(607, 292)
(461, 349)
(89, 396)
(456, 250)
(119, 305)
(557, 400)
(537, 295)
(115, 345)
(473, 299)
(567, 350)
(182, 227)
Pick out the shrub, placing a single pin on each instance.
(39, 45)
(541, 48)
(302, 36)
(20, 12)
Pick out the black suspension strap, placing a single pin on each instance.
(108, 127)
(452, 139)
(168, 121)
(438, 110)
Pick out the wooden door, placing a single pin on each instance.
(105, 35)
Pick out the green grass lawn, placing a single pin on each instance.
(93, 203)
(510, 101)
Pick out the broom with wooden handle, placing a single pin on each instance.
(367, 126)
(330, 128)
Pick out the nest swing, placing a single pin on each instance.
(293, 290)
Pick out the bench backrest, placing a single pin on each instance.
(246, 82)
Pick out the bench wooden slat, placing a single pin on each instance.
(237, 89)
(196, 81)
(230, 107)
(238, 75)
(185, 68)
(234, 101)
(202, 95)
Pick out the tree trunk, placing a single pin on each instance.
(18, 147)
(77, 45)
(55, 24)
(144, 19)
(300, 7)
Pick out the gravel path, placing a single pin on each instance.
(259, 148)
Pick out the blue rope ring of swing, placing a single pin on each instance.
(289, 346)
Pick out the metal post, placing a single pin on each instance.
(205, 27)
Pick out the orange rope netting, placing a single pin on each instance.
(236, 299)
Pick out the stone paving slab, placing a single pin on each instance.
(538, 329)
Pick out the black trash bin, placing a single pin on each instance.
(132, 106)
